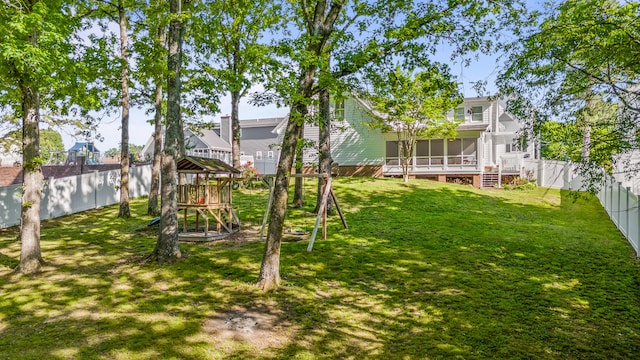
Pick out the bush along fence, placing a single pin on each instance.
(69, 195)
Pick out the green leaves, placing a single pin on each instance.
(578, 65)
(417, 103)
(230, 52)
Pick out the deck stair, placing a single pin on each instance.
(490, 180)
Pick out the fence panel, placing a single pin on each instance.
(10, 199)
(64, 196)
(633, 233)
(140, 181)
(623, 212)
(615, 203)
(108, 185)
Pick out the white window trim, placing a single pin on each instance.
(481, 113)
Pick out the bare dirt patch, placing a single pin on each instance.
(260, 327)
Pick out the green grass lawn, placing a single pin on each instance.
(425, 271)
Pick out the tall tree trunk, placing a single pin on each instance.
(235, 129)
(324, 147)
(152, 205)
(587, 119)
(407, 157)
(269, 278)
(167, 248)
(298, 192)
(30, 256)
(320, 29)
(124, 151)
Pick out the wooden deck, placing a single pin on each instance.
(200, 236)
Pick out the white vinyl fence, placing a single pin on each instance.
(553, 174)
(620, 202)
(74, 194)
(623, 208)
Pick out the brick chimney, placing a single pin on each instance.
(225, 128)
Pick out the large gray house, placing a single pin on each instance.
(485, 148)
(259, 142)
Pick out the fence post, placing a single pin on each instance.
(541, 173)
(619, 184)
(626, 207)
(610, 194)
(637, 239)
(611, 197)
(604, 193)
(96, 173)
(48, 196)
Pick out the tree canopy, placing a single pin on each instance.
(578, 51)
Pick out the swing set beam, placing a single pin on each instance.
(327, 191)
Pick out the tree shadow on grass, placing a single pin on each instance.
(450, 272)
(424, 271)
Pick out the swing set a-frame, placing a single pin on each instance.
(321, 218)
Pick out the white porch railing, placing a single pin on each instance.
(432, 164)
(512, 163)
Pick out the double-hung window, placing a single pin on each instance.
(476, 113)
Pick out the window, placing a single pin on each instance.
(458, 114)
(437, 152)
(422, 152)
(269, 155)
(476, 113)
(258, 155)
(508, 148)
(469, 151)
(392, 153)
(339, 110)
(462, 152)
(454, 149)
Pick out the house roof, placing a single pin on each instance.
(193, 164)
(477, 127)
(212, 139)
(80, 145)
(249, 123)
(281, 126)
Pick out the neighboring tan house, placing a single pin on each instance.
(485, 146)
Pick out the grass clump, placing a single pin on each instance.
(426, 270)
